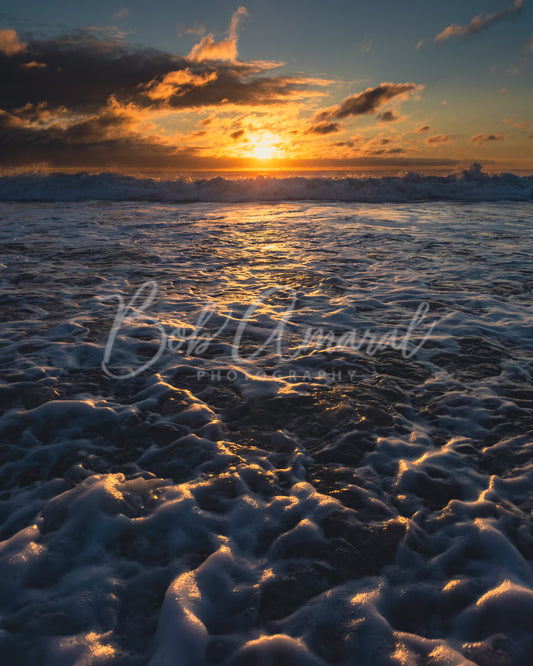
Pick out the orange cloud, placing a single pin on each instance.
(33, 65)
(224, 50)
(438, 138)
(10, 43)
(478, 23)
(178, 82)
(480, 139)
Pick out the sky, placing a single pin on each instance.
(302, 84)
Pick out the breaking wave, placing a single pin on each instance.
(471, 184)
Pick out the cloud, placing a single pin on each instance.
(10, 43)
(521, 125)
(438, 138)
(83, 71)
(388, 151)
(323, 128)
(120, 14)
(365, 45)
(238, 134)
(196, 29)
(224, 50)
(478, 23)
(389, 116)
(358, 139)
(481, 139)
(178, 83)
(422, 128)
(86, 98)
(209, 49)
(236, 18)
(33, 65)
(107, 136)
(367, 102)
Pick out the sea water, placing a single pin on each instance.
(294, 432)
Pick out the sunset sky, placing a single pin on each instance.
(214, 85)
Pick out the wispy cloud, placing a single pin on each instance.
(196, 29)
(365, 45)
(481, 139)
(323, 128)
(438, 138)
(478, 23)
(389, 116)
(224, 50)
(120, 14)
(367, 102)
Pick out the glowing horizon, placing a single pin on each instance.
(231, 92)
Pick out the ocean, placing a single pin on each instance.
(274, 420)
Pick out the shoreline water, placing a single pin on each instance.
(375, 514)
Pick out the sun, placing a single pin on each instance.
(264, 146)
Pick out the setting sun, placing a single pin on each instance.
(264, 146)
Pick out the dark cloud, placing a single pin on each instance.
(80, 98)
(480, 139)
(100, 140)
(388, 116)
(238, 134)
(478, 23)
(422, 128)
(390, 151)
(438, 138)
(323, 128)
(82, 71)
(367, 102)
